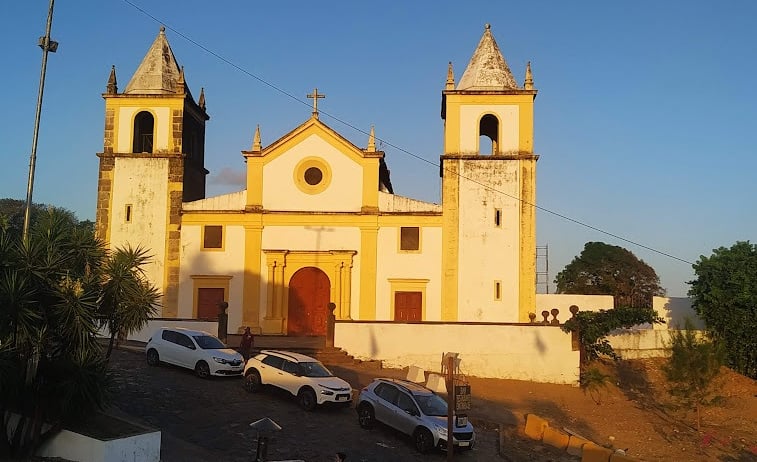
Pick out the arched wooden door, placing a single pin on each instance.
(309, 296)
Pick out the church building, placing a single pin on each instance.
(318, 221)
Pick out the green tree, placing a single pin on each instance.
(53, 294)
(592, 328)
(12, 213)
(603, 269)
(724, 295)
(691, 370)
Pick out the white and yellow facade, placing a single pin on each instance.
(317, 204)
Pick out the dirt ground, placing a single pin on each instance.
(634, 412)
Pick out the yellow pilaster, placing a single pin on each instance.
(527, 277)
(370, 189)
(254, 182)
(253, 238)
(450, 239)
(368, 260)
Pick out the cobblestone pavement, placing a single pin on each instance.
(209, 420)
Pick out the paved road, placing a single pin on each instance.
(209, 420)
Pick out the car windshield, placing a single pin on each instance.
(314, 369)
(207, 342)
(432, 404)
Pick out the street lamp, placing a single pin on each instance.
(51, 46)
(265, 427)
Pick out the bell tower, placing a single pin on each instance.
(488, 172)
(153, 159)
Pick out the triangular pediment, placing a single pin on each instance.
(314, 126)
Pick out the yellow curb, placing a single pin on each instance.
(555, 438)
(594, 453)
(535, 426)
(575, 445)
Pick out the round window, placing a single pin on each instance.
(313, 176)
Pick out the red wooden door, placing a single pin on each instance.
(309, 296)
(408, 306)
(207, 303)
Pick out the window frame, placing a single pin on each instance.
(203, 242)
(399, 239)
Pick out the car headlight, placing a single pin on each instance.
(442, 431)
(219, 360)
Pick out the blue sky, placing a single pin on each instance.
(644, 120)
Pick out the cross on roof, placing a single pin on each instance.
(315, 96)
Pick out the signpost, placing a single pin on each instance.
(458, 399)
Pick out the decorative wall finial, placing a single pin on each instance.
(256, 146)
(528, 84)
(372, 141)
(201, 99)
(450, 78)
(112, 88)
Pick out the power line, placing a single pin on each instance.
(399, 148)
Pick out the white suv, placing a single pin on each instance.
(302, 376)
(193, 349)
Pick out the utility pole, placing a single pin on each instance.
(47, 45)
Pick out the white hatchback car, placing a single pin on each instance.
(193, 349)
(302, 376)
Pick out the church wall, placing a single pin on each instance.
(162, 116)
(520, 352)
(197, 265)
(488, 253)
(508, 127)
(395, 264)
(345, 176)
(142, 184)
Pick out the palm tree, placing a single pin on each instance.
(56, 291)
(127, 299)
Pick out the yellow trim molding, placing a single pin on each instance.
(408, 285)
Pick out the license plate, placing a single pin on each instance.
(341, 398)
(464, 443)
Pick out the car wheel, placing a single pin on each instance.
(153, 358)
(252, 381)
(202, 370)
(307, 399)
(365, 416)
(423, 439)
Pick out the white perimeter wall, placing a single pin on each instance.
(643, 343)
(155, 324)
(393, 264)
(563, 303)
(521, 352)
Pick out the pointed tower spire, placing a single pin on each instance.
(158, 73)
(528, 84)
(372, 140)
(487, 69)
(201, 99)
(112, 88)
(256, 146)
(450, 78)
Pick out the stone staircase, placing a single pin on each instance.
(314, 347)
